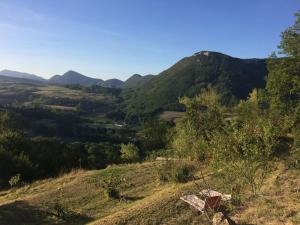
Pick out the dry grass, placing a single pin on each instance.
(278, 202)
(146, 200)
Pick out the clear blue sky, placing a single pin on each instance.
(117, 38)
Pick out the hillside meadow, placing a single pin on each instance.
(146, 199)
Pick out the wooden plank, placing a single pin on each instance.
(212, 193)
(194, 201)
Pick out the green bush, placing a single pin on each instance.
(112, 185)
(242, 154)
(130, 153)
(15, 181)
(178, 172)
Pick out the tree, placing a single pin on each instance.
(187, 143)
(154, 135)
(7, 122)
(48, 155)
(96, 156)
(203, 117)
(129, 152)
(14, 157)
(204, 112)
(283, 81)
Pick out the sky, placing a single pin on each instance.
(117, 38)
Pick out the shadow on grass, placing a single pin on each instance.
(21, 213)
(129, 198)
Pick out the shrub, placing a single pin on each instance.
(15, 181)
(179, 172)
(129, 153)
(111, 186)
(59, 210)
(243, 153)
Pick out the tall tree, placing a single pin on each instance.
(283, 82)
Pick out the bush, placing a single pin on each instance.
(111, 193)
(242, 153)
(178, 172)
(59, 210)
(129, 153)
(111, 186)
(15, 181)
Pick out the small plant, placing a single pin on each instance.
(59, 208)
(59, 211)
(236, 200)
(15, 181)
(179, 172)
(111, 186)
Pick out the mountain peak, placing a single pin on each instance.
(73, 77)
(72, 73)
(137, 80)
(209, 53)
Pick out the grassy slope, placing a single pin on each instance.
(147, 200)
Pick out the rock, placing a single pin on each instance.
(219, 219)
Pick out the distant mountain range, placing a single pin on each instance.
(11, 73)
(233, 77)
(73, 77)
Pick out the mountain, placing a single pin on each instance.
(72, 77)
(233, 77)
(137, 80)
(16, 80)
(112, 83)
(16, 74)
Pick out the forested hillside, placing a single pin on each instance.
(233, 78)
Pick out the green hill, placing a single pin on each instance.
(72, 77)
(137, 80)
(234, 78)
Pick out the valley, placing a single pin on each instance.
(213, 139)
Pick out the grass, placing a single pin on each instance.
(100, 120)
(145, 199)
(79, 192)
(279, 199)
(58, 91)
